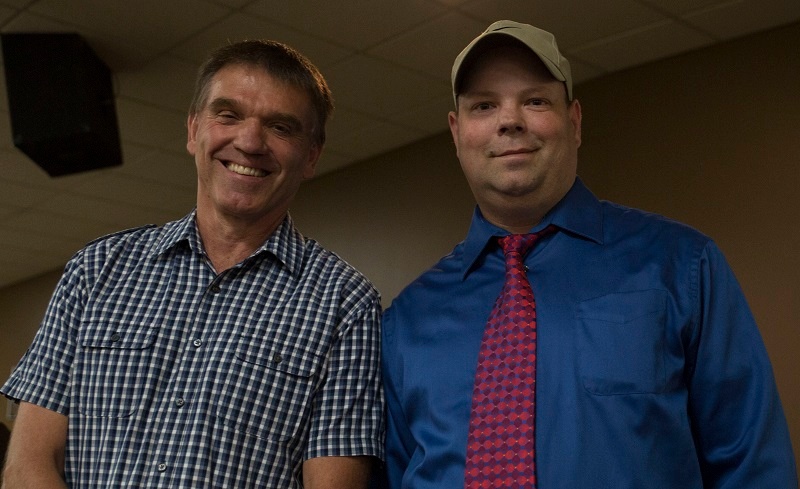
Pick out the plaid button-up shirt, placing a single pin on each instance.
(174, 376)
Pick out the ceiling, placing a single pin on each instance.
(387, 61)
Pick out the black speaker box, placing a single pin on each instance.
(61, 102)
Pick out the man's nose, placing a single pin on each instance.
(510, 120)
(251, 138)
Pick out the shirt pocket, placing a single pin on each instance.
(112, 368)
(268, 388)
(621, 343)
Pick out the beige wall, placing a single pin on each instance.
(710, 138)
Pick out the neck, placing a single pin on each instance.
(516, 219)
(518, 214)
(228, 241)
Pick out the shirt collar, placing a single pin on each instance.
(285, 243)
(579, 213)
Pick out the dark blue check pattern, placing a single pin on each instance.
(173, 376)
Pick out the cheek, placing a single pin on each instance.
(474, 138)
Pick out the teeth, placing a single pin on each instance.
(244, 170)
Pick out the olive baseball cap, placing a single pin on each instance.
(541, 42)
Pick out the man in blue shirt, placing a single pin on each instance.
(650, 370)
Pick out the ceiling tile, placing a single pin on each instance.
(15, 3)
(165, 81)
(143, 193)
(734, 19)
(388, 63)
(27, 22)
(240, 26)
(80, 208)
(597, 19)
(16, 167)
(233, 3)
(642, 45)
(5, 14)
(152, 24)
(6, 138)
(368, 21)
(377, 87)
(176, 145)
(680, 7)
(430, 118)
(379, 138)
(149, 125)
(22, 195)
(330, 162)
(452, 3)
(344, 123)
(7, 210)
(581, 71)
(170, 169)
(441, 40)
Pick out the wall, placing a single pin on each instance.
(710, 138)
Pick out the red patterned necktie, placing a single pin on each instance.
(500, 443)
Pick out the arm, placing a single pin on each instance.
(347, 419)
(400, 444)
(36, 450)
(337, 472)
(740, 430)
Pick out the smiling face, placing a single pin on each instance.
(253, 144)
(516, 137)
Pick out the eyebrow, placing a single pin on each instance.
(222, 103)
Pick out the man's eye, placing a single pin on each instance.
(483, 106)
(287, 129)
(227, 116)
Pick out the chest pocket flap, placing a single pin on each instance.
(621, 342)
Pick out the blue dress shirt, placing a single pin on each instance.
(651, 372)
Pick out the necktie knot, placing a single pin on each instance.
(516, 246)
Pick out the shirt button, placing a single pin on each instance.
(162, 467)
(198, 343)
(277, 358)
(179, 402)
(215, 289)
(115, 337)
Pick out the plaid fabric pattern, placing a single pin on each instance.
(173, 376)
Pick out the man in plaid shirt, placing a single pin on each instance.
(223, 349)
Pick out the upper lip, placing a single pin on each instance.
(513, 151)
(256, 168)
(246, 162)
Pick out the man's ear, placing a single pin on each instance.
(575, 117)
(452, 120)
(191, 133)
(311, 164)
